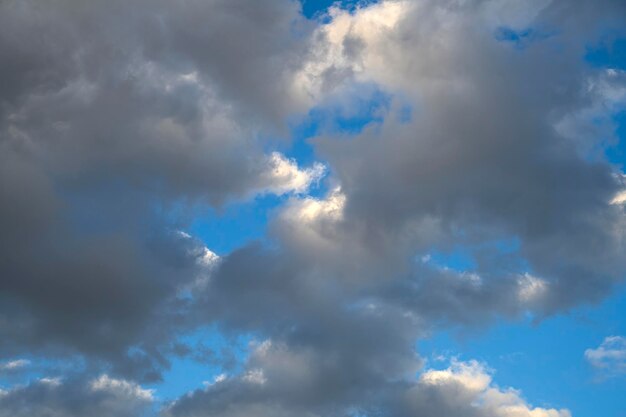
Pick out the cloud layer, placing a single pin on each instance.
(118, 120)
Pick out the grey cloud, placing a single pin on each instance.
(112, 116)
(481, 155)
(281, 386)
(99, 397)
(479, 163)
(279, 380)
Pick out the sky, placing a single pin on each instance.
(236, 208)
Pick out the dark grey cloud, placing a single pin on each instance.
(113, 116)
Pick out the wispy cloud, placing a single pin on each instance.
(609, 359)
(14, 365)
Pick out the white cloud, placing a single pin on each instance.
(52, 382)
(467, 387)
(283, 176)
(14, 365)
(335, 54)
(620, 198)
(531, 288)
(609, 357)
(310, 210)
(219, 378)
(121, 388)
(471, 375)
(315, 226)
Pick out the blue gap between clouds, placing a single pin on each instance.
(521, 38)
(617, 154)
(314, 8)
(610, 52)
(219, 354)
(38, 367)
(466, 258)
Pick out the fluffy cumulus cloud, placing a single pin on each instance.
(466, 389)
(119, 119)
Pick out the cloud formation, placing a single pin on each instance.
(480, 157)
(118, 120)
(112, 117)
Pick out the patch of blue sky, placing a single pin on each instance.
(232, 227)
(545, 360)
(521, 38)
(617, 153)
(507, 245)
(211, 354)
(29, 368)
(610, 52)
(347, 112)
(468, 258)
(316, 8)
(459, 259)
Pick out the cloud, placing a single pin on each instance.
(466, 389)
(121, 387)
(479, 162)
(53, 397)
(609, 359)
(481, 158)
(110, 120)
(288, 385)
(283, 176)
(118, 121)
